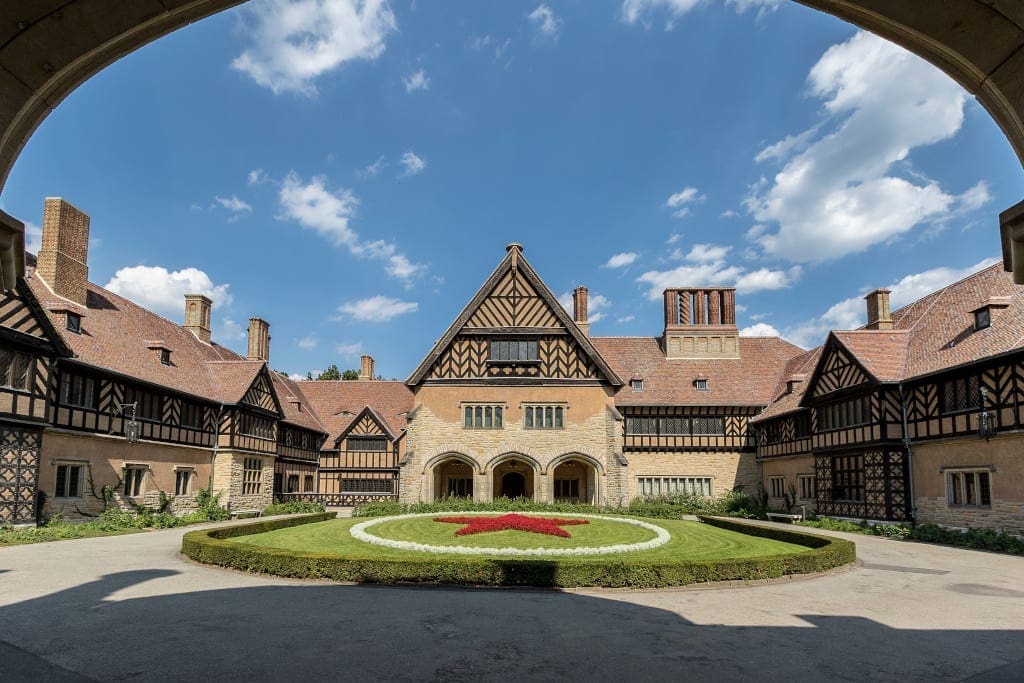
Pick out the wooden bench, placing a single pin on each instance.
(782, 516)
(246, 513)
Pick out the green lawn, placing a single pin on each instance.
(691, 541)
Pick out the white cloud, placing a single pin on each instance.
(228, 330)
(679, 200)
(412, 164)
(373, 169)
(163, 291)
(308, 342)
(258, 176)
(851, 313)
(293, 42)
(621, 260)
(328, 213)
(673, 238)
(626, 319)
(233, 204)
(597, 305)
(839, 195)
(416, 81)
(702, 253)
(759, 330)
(976, 197)
(296, 377)
(377, 308)
(640, 10)
(729, 213)
(33, 237)
(349, 351)
(717, 273)
(545, 21)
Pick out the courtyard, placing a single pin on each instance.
(130, 607)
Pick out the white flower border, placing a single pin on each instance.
(662, 537)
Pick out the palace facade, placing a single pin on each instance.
(918, 415)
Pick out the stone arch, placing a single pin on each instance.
(513, 455)
(576, 477)
(436, 460)
(513, 474)
(574, 455)
(451, 474)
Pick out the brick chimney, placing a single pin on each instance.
(878, 310)
(259, 340)
(365, 368)
(579, 309)
(701, 323)
(197, 316)
(64, 253)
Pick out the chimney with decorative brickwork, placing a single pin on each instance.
(197, 316)
(878, 310)
(701, 323)
(63, 255)
(365, 368)
(579, 309)
(259, 340)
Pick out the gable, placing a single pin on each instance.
(837, 369)
(22, 321)
(261, 394)
(514, 304)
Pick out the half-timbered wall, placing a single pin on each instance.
(837, 371)
(248, 431)
(19, 473)
(879, 475)
(558, 357)
(678, 428)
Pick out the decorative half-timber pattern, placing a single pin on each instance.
(19, 471)
(559, 357)
(836, 371)
(261, 394)
(736, 435)
(513, 302)
(882, 478)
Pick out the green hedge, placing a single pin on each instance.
(210, 547)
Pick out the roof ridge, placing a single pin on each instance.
(939, 293)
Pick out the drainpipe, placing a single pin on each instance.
(910, 456)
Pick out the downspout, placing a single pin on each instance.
(910, 456)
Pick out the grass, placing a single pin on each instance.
(690, 540)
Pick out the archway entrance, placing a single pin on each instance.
(453, 479)
(575, 482)
(513, 479)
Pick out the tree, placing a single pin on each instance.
(350, 374)
(330, 373)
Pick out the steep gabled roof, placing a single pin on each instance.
(784, 401)
(747, 380)
(295, 407)
(367, 416)
(547, 312)
(338, 402)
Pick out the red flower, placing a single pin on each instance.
(537, 525)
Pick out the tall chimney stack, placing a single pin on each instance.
(197, 316)
(64, 253)
(878, 310)
(700, 322)
(259, 340)
(365, 368)
(579, 309)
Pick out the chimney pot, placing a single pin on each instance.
(878, 310)
(259, 340)
(579, 309)
(197, 316)
(365, 368)
(64, 253)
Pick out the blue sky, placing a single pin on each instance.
(351, 171)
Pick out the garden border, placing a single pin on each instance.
(209, 546)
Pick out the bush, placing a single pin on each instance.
(293, 508)
(978, 539)
(208, 507)
(863, 527)
(211, 547)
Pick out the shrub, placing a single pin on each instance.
(863, 527)
(208, 507)
(978, 539)
(293, 508)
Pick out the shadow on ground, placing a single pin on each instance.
(319, 631)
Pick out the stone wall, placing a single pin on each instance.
(228, 480)
(728, 469)
(789, 468)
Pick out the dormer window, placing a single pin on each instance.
(165, 356)
(982, 318)
(701, 384)
(636, 385)
(74, 323)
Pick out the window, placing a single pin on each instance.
(278, 482)
(148, 404)
(74, 323)
(251, 425)
(701, 384)
(777, 487)
(982, 318)
(374, 444)
(77, 390)
(69, 481)
(708, 426)
(293, 483)
(848, 477)
(15, 369)
(969, 489)
(806, 482)
(165, 356)
(567, 488)
(661, 486)
(636, 385)
(962, 393)
(642, 425)
(133, 476)
(512, 350)
(483, 417)
(349, 485)
(460, 487)
(191, 415)
(307, 483)
(846, 413)
(252, 476)
(543, 417)
(182, 482)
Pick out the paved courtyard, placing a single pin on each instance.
(130, 607)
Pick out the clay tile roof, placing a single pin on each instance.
(883, 353)
(231, 379)
(338, 402)
(784, 401)
(747, 380)
(296, 407)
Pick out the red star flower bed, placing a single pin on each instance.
(537, 525)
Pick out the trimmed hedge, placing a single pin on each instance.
(616, 572)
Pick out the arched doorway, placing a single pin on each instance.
(513, 478)
(575, 481)
(453, 478)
